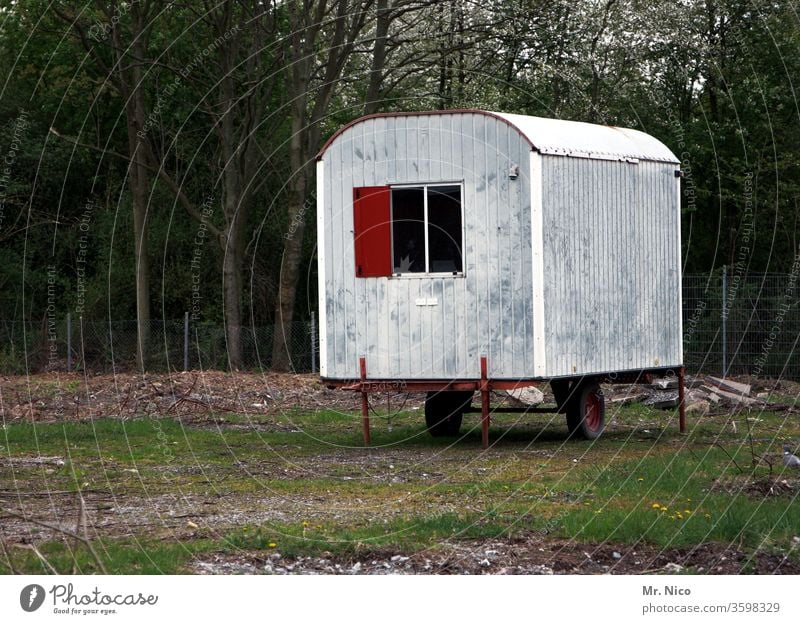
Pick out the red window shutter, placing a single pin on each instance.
(372, 230)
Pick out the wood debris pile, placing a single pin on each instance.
(704, 393)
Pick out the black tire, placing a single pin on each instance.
(586, 411)
(444, 412)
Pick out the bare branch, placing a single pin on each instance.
(176, 189)
(38, 553)
(9, 561)
(84, 540)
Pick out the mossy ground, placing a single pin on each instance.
(161, 493)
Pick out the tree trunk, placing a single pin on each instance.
(234, 210)
(126, 74)
(348, 21)
(142, 264)
(383, 21)
(138, 181)
(292, 254)
(232, 294)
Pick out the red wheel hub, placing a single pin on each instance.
(594, 411)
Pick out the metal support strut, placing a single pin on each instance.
(681, 400)
(484, 404)
(362, 362)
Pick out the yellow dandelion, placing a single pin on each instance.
(664, 508)
(656, 505)
(640, 479)
(305, 524)
(680, 515)
(271, 545)
(687, 511)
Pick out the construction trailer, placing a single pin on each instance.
(467, 250)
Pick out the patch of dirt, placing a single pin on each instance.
(528, 555)
(209, 499)
(195, 396)
(169, 516)
(199, 398)
(759, 487)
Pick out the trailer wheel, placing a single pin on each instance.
(444, 412)
(586, 411)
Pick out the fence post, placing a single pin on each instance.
(83, 349)
(313, 342)
(69, 342)
(185, 341)
(724, 320)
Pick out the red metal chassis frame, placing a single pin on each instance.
(485, 385)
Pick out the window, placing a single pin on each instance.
(426, 229)
(407, 230)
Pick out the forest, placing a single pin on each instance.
(158, 157)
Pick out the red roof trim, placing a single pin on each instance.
(472, 111)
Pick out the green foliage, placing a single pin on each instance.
(714, 81)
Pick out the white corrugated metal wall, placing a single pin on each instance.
(611, 265)
(611, 258)
(486, 312)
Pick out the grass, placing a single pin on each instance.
(317, 490)
(120, 556)
(670, 503)
(403, 535)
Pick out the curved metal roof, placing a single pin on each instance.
(576, 138)
(559, 137)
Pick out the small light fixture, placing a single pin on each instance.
(513, 172)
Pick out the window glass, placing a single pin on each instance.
(444, 229)
(408, 230)
(427, 229)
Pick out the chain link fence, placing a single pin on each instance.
(102, 346)
(742, 324)
(732, 324)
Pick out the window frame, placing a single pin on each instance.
(424, 186)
